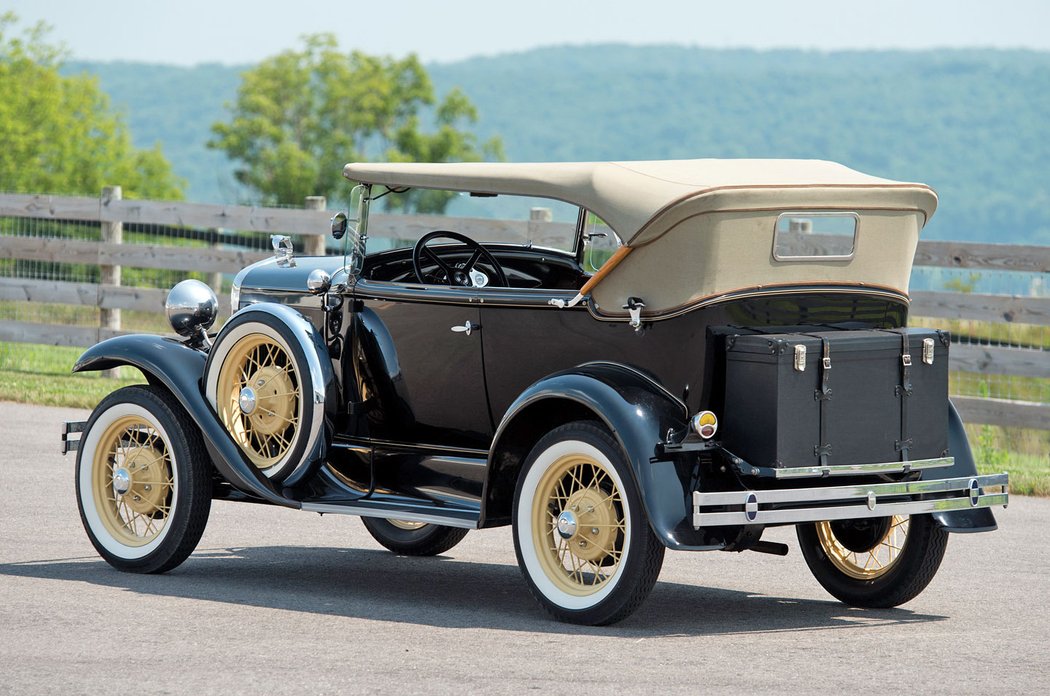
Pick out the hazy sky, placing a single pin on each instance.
(187, 32)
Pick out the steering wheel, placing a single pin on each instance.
(460, 274)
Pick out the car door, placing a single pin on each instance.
(418, 362)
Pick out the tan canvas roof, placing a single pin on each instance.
(632, 197)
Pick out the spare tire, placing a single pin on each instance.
(262, 380)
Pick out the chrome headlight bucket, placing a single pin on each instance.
(191, 307)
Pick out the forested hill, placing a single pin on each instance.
(971, 123)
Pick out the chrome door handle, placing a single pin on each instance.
(467, 328)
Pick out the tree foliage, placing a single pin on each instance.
(301, 115)
(58, 134)
(971, 123)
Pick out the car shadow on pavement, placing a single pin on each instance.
(380, 586)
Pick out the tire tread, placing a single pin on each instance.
(431, 540)
(918, 563)
(641, 573)
(191, 518)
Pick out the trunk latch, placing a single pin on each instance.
(634, 309)
(927, 351)
(800, 358)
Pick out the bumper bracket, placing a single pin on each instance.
(71, 444)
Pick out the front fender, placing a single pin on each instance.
(636, 410)
(978, 519)
(180, 368)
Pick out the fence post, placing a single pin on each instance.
(538, 219)
(113, 233)
(313, 244)
(215, 278)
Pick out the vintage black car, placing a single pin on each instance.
(653, 355)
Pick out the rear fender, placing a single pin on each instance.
(637, 411)
(179, 368)
(976, 520)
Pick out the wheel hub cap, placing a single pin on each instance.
(121, 481)
(274, 396)
(593, 517)
(246, 400)
(143, 478)
(566, 524)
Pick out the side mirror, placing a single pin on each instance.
(339, 224)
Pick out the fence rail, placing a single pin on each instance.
(1009, 309)
(985, 256)
(203, 215)
(218, 225)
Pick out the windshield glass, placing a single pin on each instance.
(398, 218)
(600, 242)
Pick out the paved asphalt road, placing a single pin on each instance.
(276, 601)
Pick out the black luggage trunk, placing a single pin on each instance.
(880, 396)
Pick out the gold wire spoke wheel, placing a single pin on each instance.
(870, 563)
(578, 525)
(143, 480)
(132, 481)
(259, 395)
(406, 525)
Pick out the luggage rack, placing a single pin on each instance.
(818, 471)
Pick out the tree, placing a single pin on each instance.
(59, 134)
(302, 114)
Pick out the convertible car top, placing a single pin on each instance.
(681, 221)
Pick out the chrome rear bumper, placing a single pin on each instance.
(786, 506)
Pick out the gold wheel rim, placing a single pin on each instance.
(406, 525)
(132, 481)
(267, 431)
(579, 489)
(870, 564)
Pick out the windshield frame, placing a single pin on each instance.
(358, 234)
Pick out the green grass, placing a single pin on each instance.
(1029, 474)
(78, 315)
(41, 375)
(1015, 387)
(1000, 333)
(1022, 453)
(77, 391)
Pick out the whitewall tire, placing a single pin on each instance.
(259, 383)
(142, 481)
(580, 532)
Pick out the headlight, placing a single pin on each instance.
(191, 306)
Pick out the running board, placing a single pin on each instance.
(464, 519)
